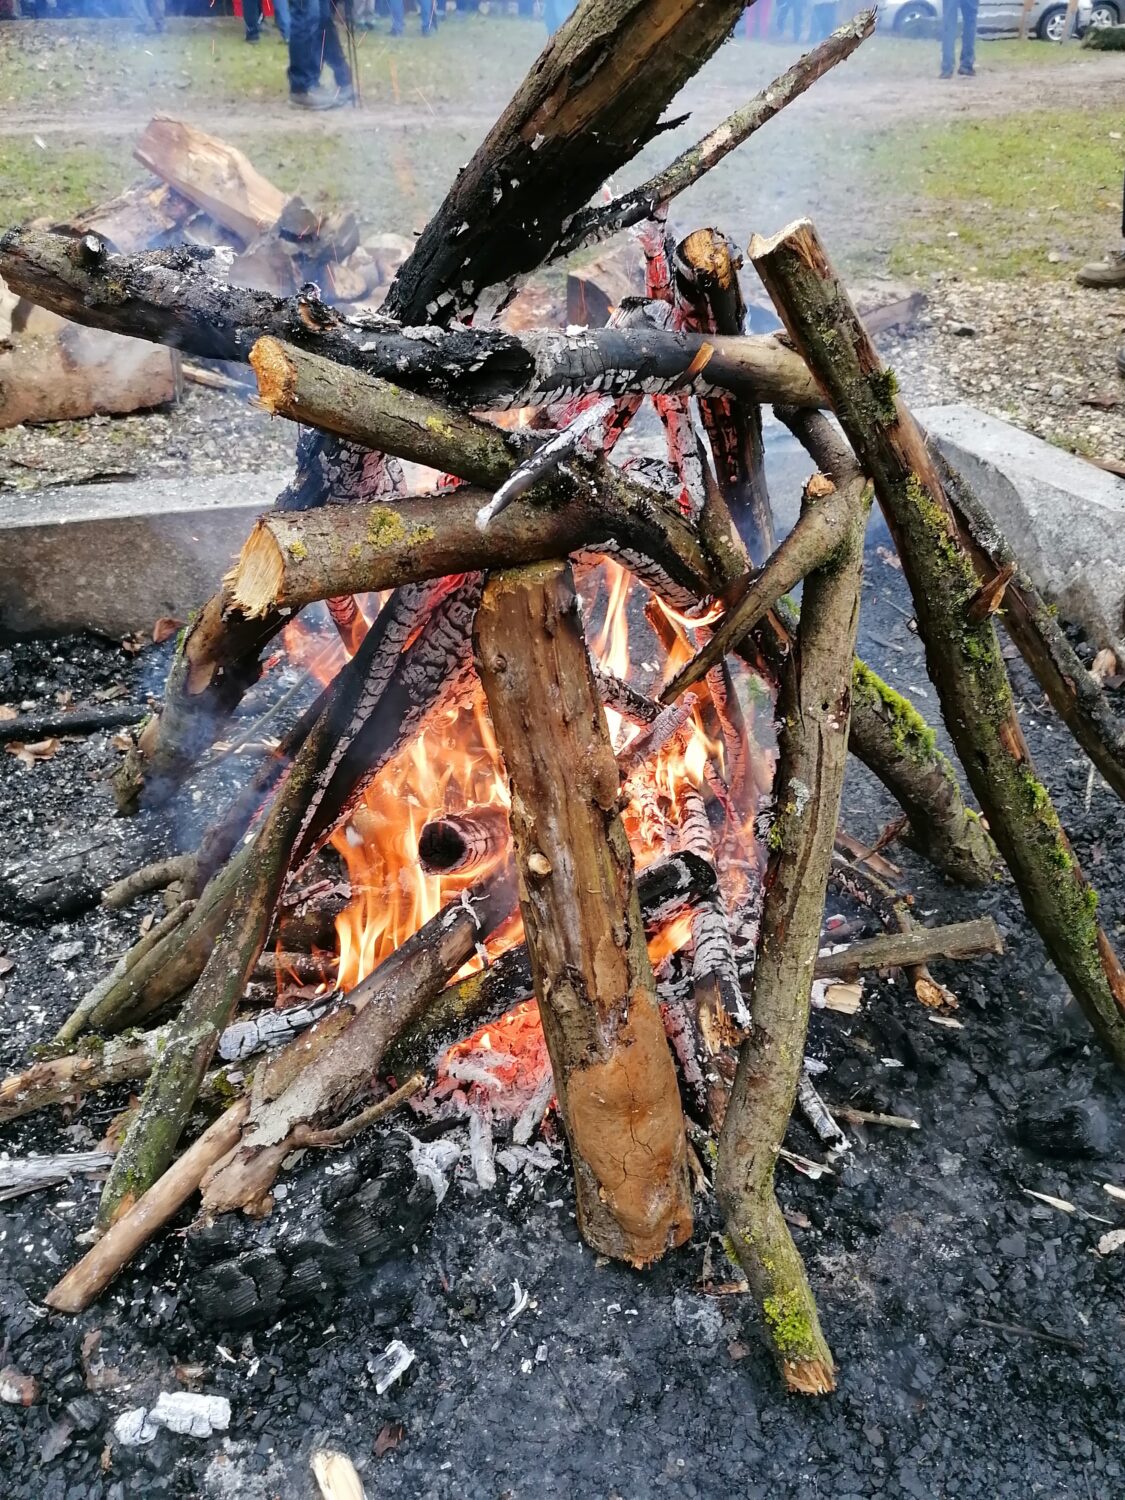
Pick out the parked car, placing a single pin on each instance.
(999, 18)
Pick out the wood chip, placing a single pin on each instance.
(953, 1025)
(1113, 1190)
(843, 998)
(336, 1476)
(1060, 1203)
(1110, 1243)
(8, 713)
(1104, 665)
(165, 628)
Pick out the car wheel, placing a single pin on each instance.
(1102, 16)
(1052, 24)
(915, 20)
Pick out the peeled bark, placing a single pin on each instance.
(962, 654)
(812, 714)
(614, 1076)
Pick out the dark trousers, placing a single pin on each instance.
(427, 14)
(312, 43)
(252, 16)
(949, 12)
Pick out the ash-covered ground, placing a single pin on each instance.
(610, 1383)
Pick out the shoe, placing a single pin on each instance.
(253, 38)
(1109, 272)
(345, 93)
(944, 74)
(316, 98)
(967, 72)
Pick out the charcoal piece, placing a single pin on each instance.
(1056, 1126)
(68, 875)
(325, 1235)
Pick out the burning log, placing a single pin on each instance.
(170, 297)
(613, 1074)
(962, 655)
(463, 842)
(813, 705)
(322, 1072)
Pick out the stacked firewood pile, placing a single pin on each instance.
(736, 841)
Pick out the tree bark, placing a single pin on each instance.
(614, 1076)
(1075, 696)
(812, 713)
(963, 656)
(291, 560)
(170, 297)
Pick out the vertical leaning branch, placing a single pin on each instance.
(812, 711)
(962, 651)
(614, 1077)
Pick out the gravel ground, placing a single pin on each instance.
(610, 1383)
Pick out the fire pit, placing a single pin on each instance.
(568, 802)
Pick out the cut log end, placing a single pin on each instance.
(709, 254)
(794, 233)
(808, 1377)
(277, 377)
(256, 580)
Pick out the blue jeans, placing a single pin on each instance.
(949, 10)
(312, 43)
(427, 14)
(252, 15)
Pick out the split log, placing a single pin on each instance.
(171, 297)
(962, 655)
(614, 1076)
(594, 224)
(1074, 694)
(812, 715)
(94, 1272)
(216, 177)
(317, 1076)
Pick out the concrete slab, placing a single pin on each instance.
(115, 557)
(1064, 518)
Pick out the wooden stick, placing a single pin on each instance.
(294, 558)
(154, 877)
(906, 949)
(1075, 695)
(304, 1135)
(614, 1076)
(812, 715)
(86, 1281)
(594, 224)
(963, 657)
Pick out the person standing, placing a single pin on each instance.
(314, 41)
(252, 19)
(1109, 273)
(968, 13)
(427, 14)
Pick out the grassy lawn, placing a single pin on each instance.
(997, 197)
(887, 195)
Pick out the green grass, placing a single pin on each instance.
(995, 197)
(60, 179)
(473, 62)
